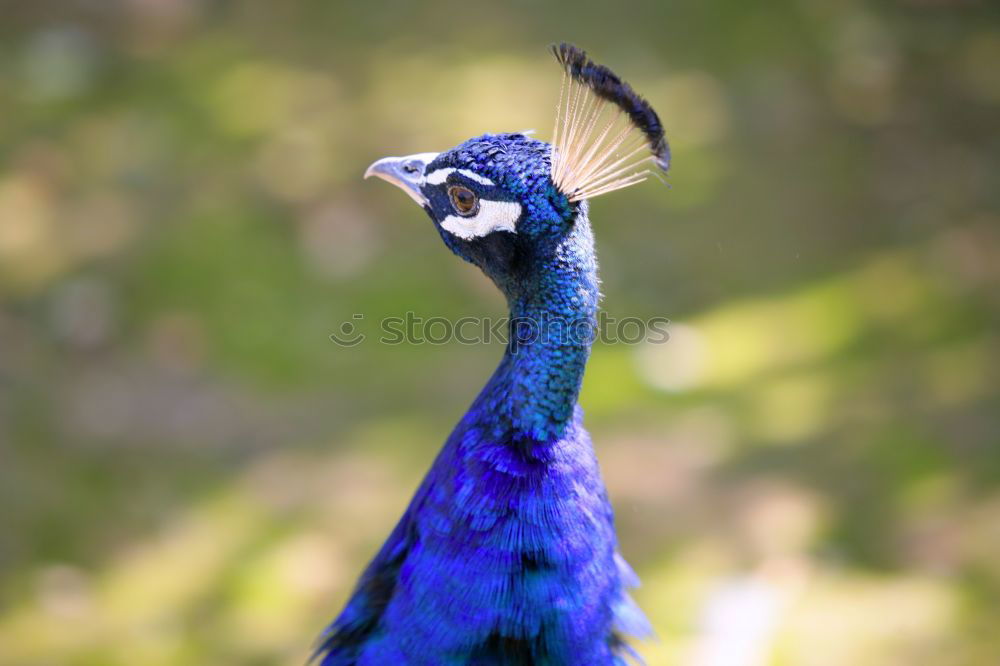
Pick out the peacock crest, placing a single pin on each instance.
(606, 135)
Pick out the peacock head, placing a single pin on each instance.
(501, 201)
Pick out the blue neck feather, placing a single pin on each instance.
(553, 313)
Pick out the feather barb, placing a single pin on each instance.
(602, 130)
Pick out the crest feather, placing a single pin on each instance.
(605, 134)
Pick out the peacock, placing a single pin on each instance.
(507, 553)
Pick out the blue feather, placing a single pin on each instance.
(507, 553)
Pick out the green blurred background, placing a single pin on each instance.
(191, 472)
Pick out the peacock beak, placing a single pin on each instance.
(406, 173)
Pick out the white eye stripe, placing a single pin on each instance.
(438, 177)
(471, 175)
(492, 216)
(441, 175)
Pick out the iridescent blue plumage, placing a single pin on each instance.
(507, 553)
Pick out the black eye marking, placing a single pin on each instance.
(463, 200)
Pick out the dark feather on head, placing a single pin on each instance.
(609, 86)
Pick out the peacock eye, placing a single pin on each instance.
(463, 200)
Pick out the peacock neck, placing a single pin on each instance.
(553, 312)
